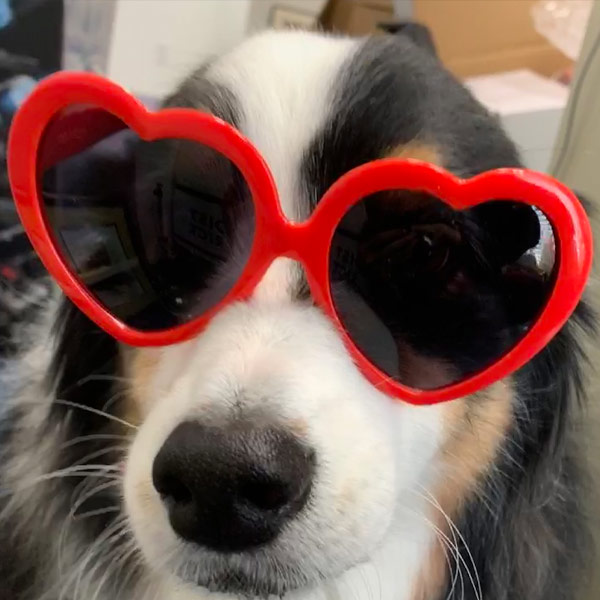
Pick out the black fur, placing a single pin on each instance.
(416, 32)
(199, 93)
(15, 571)
(84, 372)
(392, 93)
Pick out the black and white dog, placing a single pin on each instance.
(478, 498)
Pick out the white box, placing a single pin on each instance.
(530, 107)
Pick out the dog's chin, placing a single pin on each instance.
(240, 584)
(257, 583)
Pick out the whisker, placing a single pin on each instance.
(96, 412)
(446, 544)
(106, 471)
(102, 377)
(85, 497)
(98, 453)
(474, 575)
(113, 399)
(92, 551)
(118, 531)
(80, 488)
(81, 499)
(92, 438)
(96, 513)
(132, 568)
(120, 558)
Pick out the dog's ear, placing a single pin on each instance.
(587, 204)
(419, 34)
(512, 228)
(509, 228)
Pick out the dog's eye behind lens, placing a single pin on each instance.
(431, 295)
(411, 254)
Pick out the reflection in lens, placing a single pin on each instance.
(431, 295)
(158, 231)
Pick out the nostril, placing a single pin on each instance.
(173, 489)
(267, 495)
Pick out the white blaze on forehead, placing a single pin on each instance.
(284, 84)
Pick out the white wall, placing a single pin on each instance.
(88, 33)
(155, 43)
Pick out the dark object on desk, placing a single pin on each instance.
(418, 33)
(27, 53)
(23, 282)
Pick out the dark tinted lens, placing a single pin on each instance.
(431, 295)
(158, 231)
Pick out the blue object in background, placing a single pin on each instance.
(5, 13)
(13, 92)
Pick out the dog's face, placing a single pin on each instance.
(264, 461)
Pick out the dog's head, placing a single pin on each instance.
(263, 460)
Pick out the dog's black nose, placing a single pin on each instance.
(231, 488)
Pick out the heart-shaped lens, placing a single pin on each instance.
(431, 295)
(158, 231)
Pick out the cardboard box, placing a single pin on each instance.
(385, 5)
(473, 37)
(356, 17)
(530, 108)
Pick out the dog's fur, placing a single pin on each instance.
(476, 498)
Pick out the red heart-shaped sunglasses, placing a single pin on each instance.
(152, 222)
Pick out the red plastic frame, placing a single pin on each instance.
(307, 242)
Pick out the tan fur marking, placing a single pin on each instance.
(418, 151)
(299, 427)
(475, 428)
(139, 365)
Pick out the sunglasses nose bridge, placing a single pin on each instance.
(293, 240)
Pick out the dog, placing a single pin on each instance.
(476, 498)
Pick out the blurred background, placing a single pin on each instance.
(535, 63)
